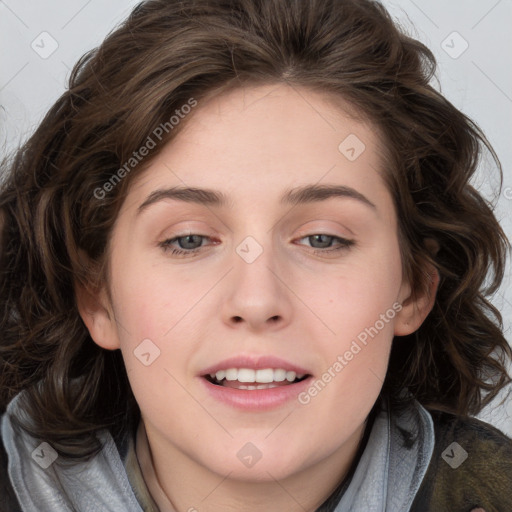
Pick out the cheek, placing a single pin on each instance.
(152, 300)
(360, 307)
(155, 334)
(358, 293)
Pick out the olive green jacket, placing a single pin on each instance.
(482, 480)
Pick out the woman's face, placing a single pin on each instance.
(287, 266)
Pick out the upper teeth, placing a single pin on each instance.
(263, 376)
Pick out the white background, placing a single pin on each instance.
(478, 81)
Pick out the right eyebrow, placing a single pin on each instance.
(187, 194)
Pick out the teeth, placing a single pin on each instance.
(246, 375)
(231, 374)
(290, 376)
(264, 376)
(279, 375)
(261, 386)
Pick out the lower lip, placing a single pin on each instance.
(256, 399)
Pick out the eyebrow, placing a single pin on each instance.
(296, 196)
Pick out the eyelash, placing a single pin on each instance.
(166, 244)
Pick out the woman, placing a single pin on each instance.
(322, 342)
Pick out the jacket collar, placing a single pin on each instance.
(393, 463)
(387, 477)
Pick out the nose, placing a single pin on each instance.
(257, 293)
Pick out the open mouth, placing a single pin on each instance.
(250, 379)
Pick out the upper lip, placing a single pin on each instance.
(255, 362)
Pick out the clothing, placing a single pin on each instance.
(403, 468)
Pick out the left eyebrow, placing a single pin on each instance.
(295, 196)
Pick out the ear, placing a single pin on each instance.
(97, 314)
(416, 307)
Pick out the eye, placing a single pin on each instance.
(323, 243)
(188, 244)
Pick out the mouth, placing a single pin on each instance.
(255, 382)
(251, 379)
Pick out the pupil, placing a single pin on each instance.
(318, 237)
(187, 238)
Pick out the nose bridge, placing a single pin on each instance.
(256, 293)
(255, 266)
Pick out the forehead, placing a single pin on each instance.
(262, 140)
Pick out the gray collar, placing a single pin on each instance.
(393, 463)
(387, 477)
(42, 482)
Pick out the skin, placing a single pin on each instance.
(253, 144)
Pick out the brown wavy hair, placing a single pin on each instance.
(54, 229)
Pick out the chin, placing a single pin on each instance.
(249, 464)
(260, 473)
